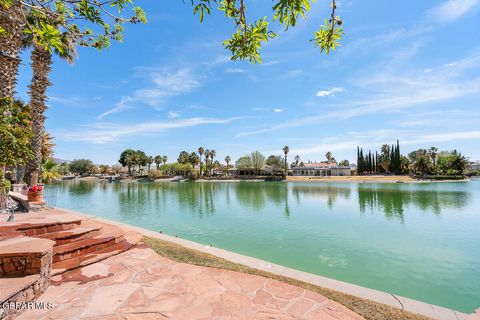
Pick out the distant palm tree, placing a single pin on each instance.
(213, 154)
(158, 161)
(459, 162)
(286, 150)
(150, 160)
(433, 152)
(227, 160)
(207, 158)
(194, 159)
(297, 160)
(164, 159)
(201, 151)
(329, 157)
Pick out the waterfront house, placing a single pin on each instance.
(322, 169)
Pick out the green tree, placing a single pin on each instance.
(183, 157)
(81, 166)
(329, 157)
(194, 159)
(422, 162)
(344, 163)
(385, 158)
(15, 134)
(49, 23)
(126, 159)
(246, 42)
(244, 163)
(201, 151)
(433, 152)
(286, 150)
(150, 161)
(459, 162)
(297, 160)
(258, 161)
(41, 60)
(49, 171)
(164, 159)
(227, 160)
(158, 161)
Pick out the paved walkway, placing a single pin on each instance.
(139, 284)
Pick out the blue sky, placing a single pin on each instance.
(404, 71)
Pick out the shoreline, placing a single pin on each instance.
(331, 179)
(377, 296)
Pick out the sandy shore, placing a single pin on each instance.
(377, 178)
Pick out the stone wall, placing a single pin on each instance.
(22, 265)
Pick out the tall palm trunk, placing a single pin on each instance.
(11, 20)
(41, 65)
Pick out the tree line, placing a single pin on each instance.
(419, 162)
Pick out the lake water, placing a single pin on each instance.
(420, 241)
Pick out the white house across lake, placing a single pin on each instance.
(322, 169)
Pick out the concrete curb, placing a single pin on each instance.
(414, 306)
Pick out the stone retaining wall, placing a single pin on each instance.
(22, 265)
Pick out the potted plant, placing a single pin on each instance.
(35, 193)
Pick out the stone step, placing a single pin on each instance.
(87, 259)
(73, 235)
(35, 229)
(83, 247)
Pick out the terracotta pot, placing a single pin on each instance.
(35, 196)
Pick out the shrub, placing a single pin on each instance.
(446, 177)
(8, 185)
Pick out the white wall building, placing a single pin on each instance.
(322, 169)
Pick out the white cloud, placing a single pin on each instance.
(102, 133)
(277, 110)
(164, 84)
(453, 9)
(390, 92)
(292, 74)
(373, 139)
(173, 114)
(427, 70)
(235, 70)
(331, 92)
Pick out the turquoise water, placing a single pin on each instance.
(420, 241)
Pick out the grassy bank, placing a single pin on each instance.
(370, 310)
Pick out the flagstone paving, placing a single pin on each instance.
(139, 284)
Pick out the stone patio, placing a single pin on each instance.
(139, 284)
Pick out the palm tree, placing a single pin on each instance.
(194, 159)
(213, 154)
(158, 161)
(329, 157)
(207, 157)
(150, 160)
(459, 162)
(286, 150)
(49, 171)
(11, 20)
(297, 160)
(41, 64)
(201, 151)
(164, 159)
(433, 152)
(422, 163)
(227, 160)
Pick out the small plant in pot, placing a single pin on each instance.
(35, 193)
